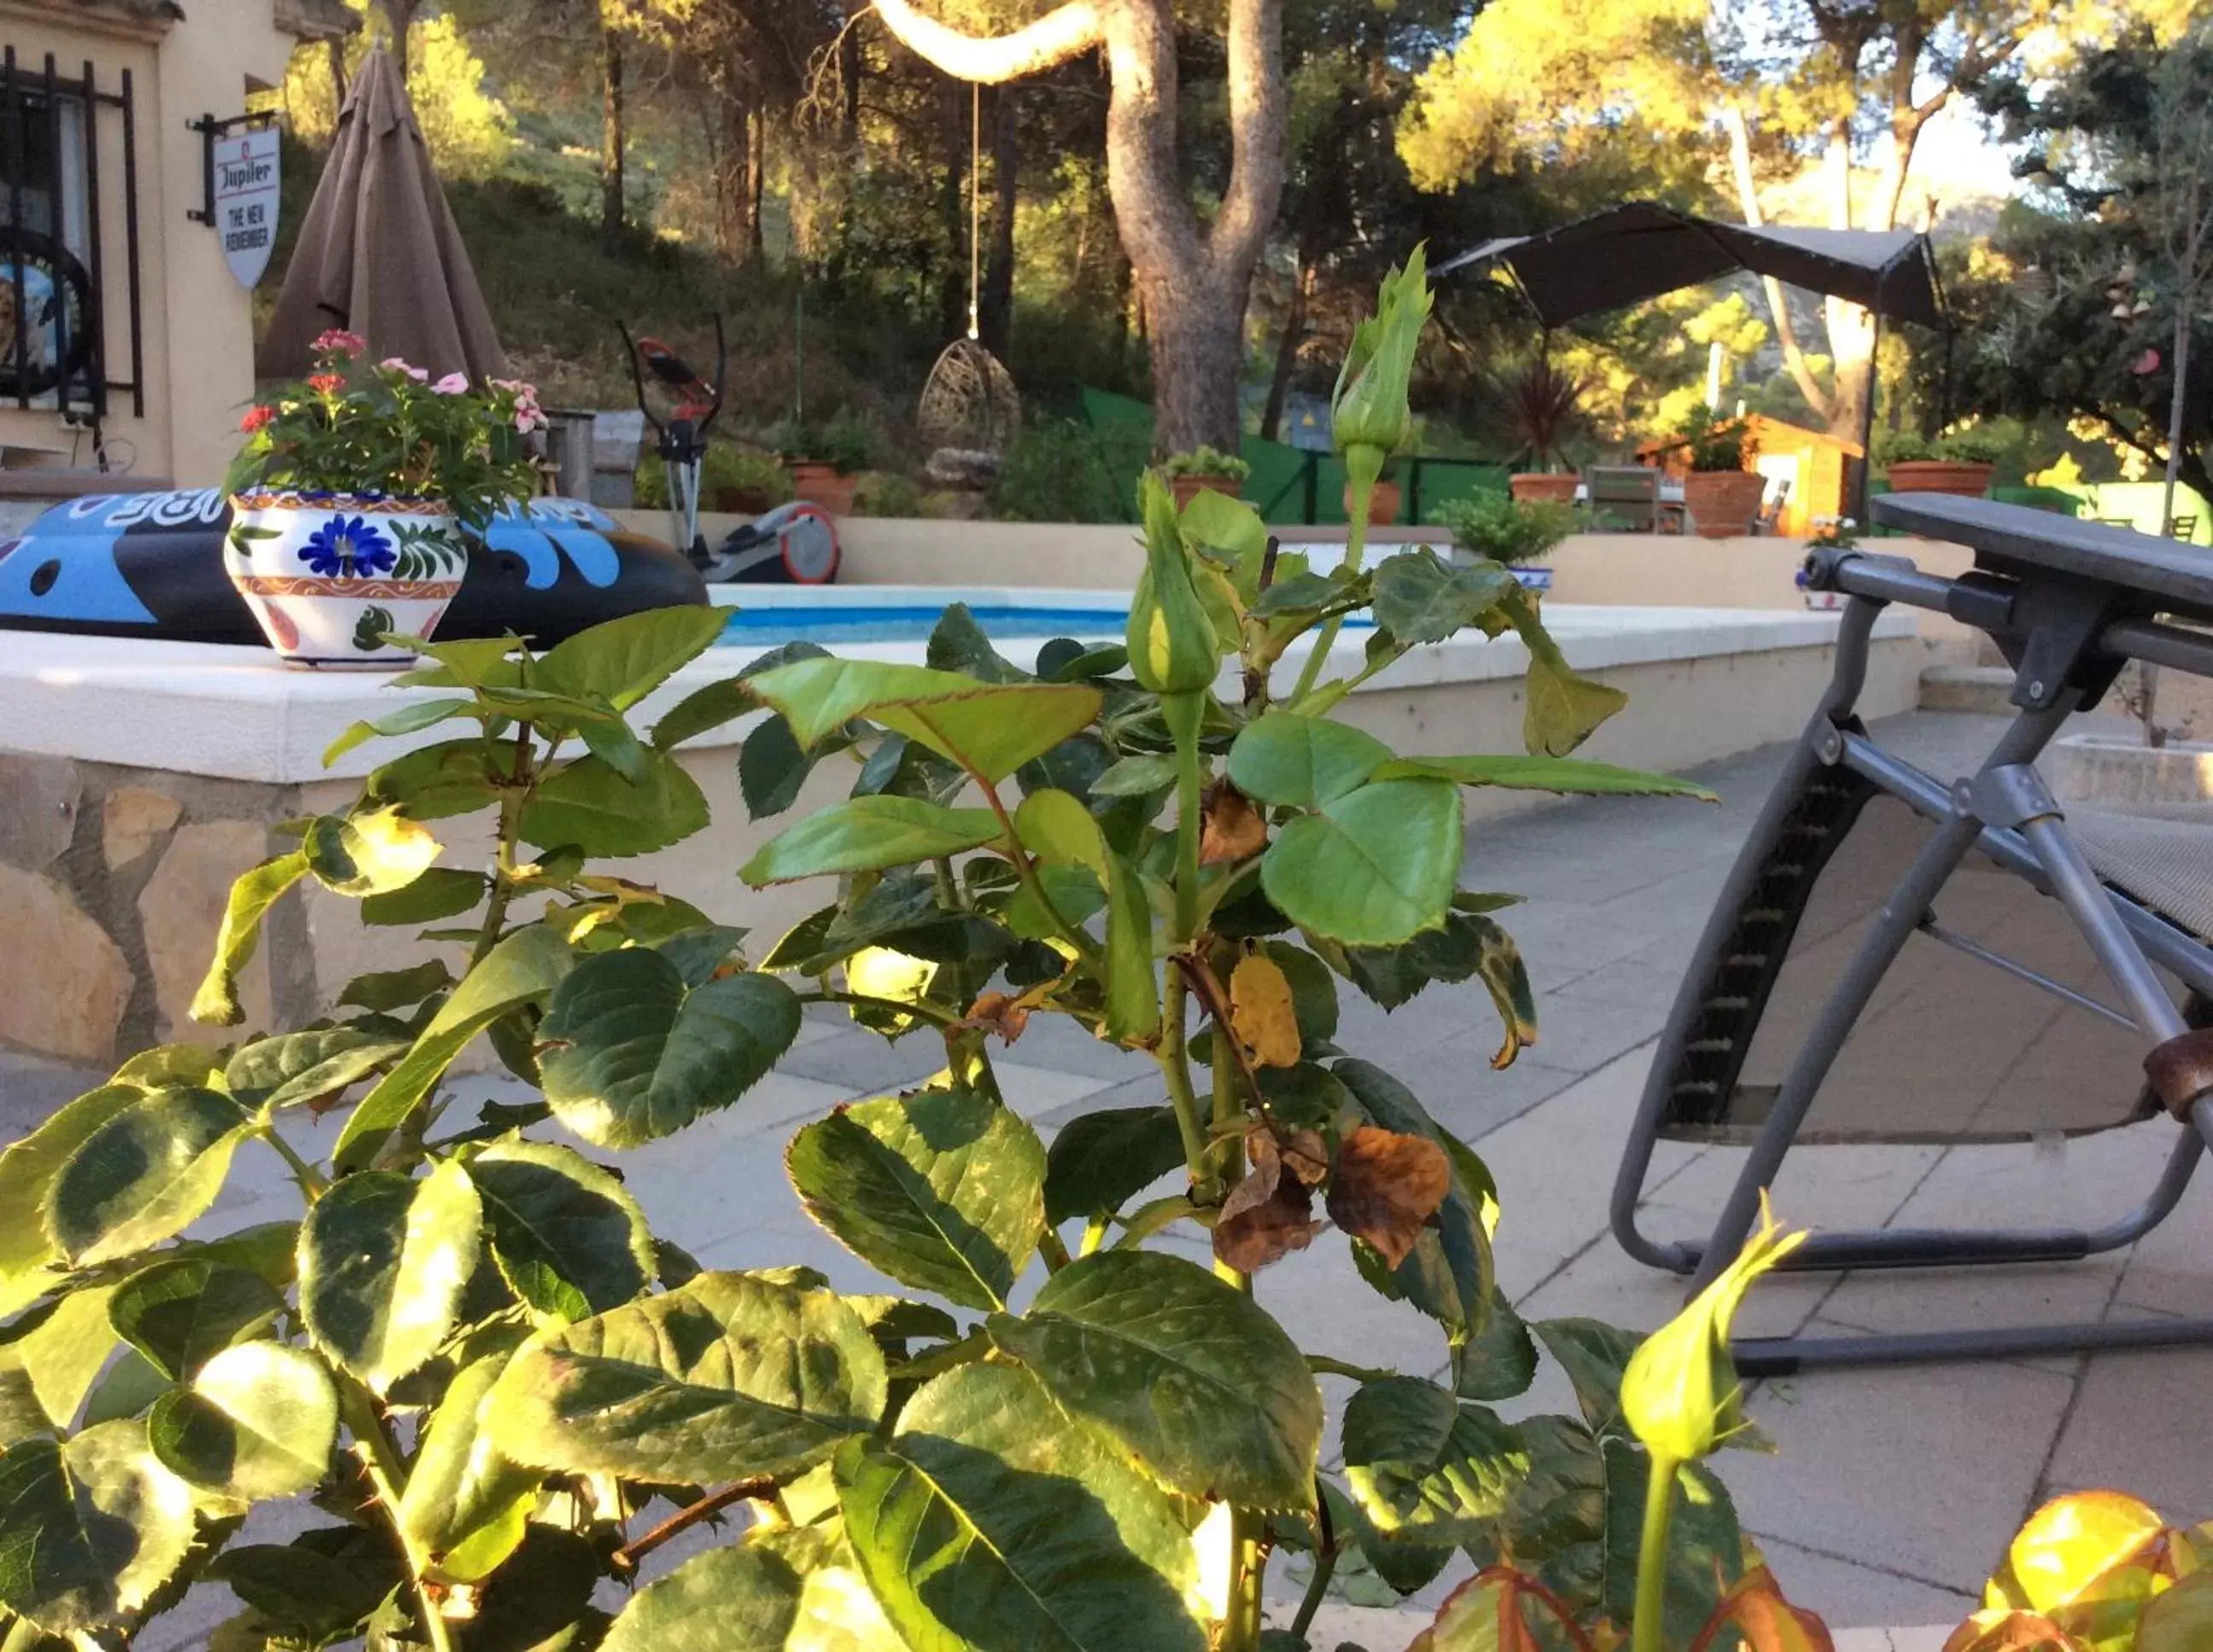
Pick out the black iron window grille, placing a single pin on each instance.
(54, 296)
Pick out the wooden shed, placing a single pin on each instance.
(1811, 461)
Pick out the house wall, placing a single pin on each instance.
(196, 321)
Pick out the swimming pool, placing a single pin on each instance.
(893, 615)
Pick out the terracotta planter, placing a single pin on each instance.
(823, 483)
(1544, 487)
(1188, 488)
(327, 575)
(1382, 503)
(1723, 503)
(1971, 477)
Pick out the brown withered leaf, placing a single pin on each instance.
(1233, 828)
(1260, 1012)
(998, 1012)
(1269, 1213)
(1386, 1185)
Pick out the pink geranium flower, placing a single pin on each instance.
(453, 384)
(328, 384)
(399, 364)
(336, 341)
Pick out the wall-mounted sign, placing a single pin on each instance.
(241, 191)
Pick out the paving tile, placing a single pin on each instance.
(1853, 1599)
(1605, 1284)
(864, 1062)
(2135, 1427)
(1057, 1042)
(2171, 1267)
(1034, 1092)
(1907, 1470)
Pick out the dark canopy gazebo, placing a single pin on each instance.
(1640, 250)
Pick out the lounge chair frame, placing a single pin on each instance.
(2068, 603)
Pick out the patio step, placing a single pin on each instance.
(1966, 688)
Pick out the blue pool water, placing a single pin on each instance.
(911, 622)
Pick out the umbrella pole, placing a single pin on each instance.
(1864, 468)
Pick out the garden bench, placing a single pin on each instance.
(1898, 955)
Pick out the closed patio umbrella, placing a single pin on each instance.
(380, 253)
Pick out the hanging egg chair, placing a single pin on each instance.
(970, 411)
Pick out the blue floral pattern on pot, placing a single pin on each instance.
(347, 547)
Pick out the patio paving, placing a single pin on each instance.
(1893, 1492)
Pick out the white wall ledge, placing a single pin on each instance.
(235, 713)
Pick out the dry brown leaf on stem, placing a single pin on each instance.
(1386, 1185)
(1233, 829)
(1270, 1213)
(998, 1012)
(1261, 1015)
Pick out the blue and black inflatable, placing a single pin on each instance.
(150, 564)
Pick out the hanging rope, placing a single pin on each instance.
(975, 203)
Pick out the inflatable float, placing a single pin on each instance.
(150, 564)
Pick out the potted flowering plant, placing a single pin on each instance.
(1960, 462)
(349, 493)
(825, 461)
(1722, 491)
(1202, 470)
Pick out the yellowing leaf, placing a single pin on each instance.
(2068, 1546)
(1260, 1012)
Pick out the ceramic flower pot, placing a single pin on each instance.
(824, 483)
(327, 575)
(1382, 503)
(1188, 488)
(1543, 487)
(1722, 504)
(1968, 477)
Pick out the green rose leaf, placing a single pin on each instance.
(318, 1587)
(418, 714)
(383, 1261)
(621, 660)
(56, 1351)
(989, 729)
(372, 853)
(866, 834)
(28, 1169)
(776, 1591)
(1424, 1467)
(297, 1067)
(1189, 1373)
(771, 768)
(1306, 762)
(1422, 598)
(440, 892)
(258, 1421)
(466, 1504)
(388, 990)
(958, 643)
(629, 1052)
(568, 1237)
(1374, 867)
(1501, 1362)
(991, 1519)
(1704, 1541)
(941, 1190)
(523, 968)
(181, 1314)
(1569, 775)
(90, 1529)
(590, 804)
(1101, 1159)
(145, 1175)
(1562, 708)
(1134, 776)
(732, 1376)
(1594, 1355)
(255, 891)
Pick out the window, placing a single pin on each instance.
(46, 333)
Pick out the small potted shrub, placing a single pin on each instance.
(1204, 470)
(1960, 462)
(349, 496)
(1518, 533)
(1722, 491)
(1543, 406)
(825, 460)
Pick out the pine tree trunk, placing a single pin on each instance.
(953, 296)
(734, 164)
(756, 180)
(611, 134)
(334, 49)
